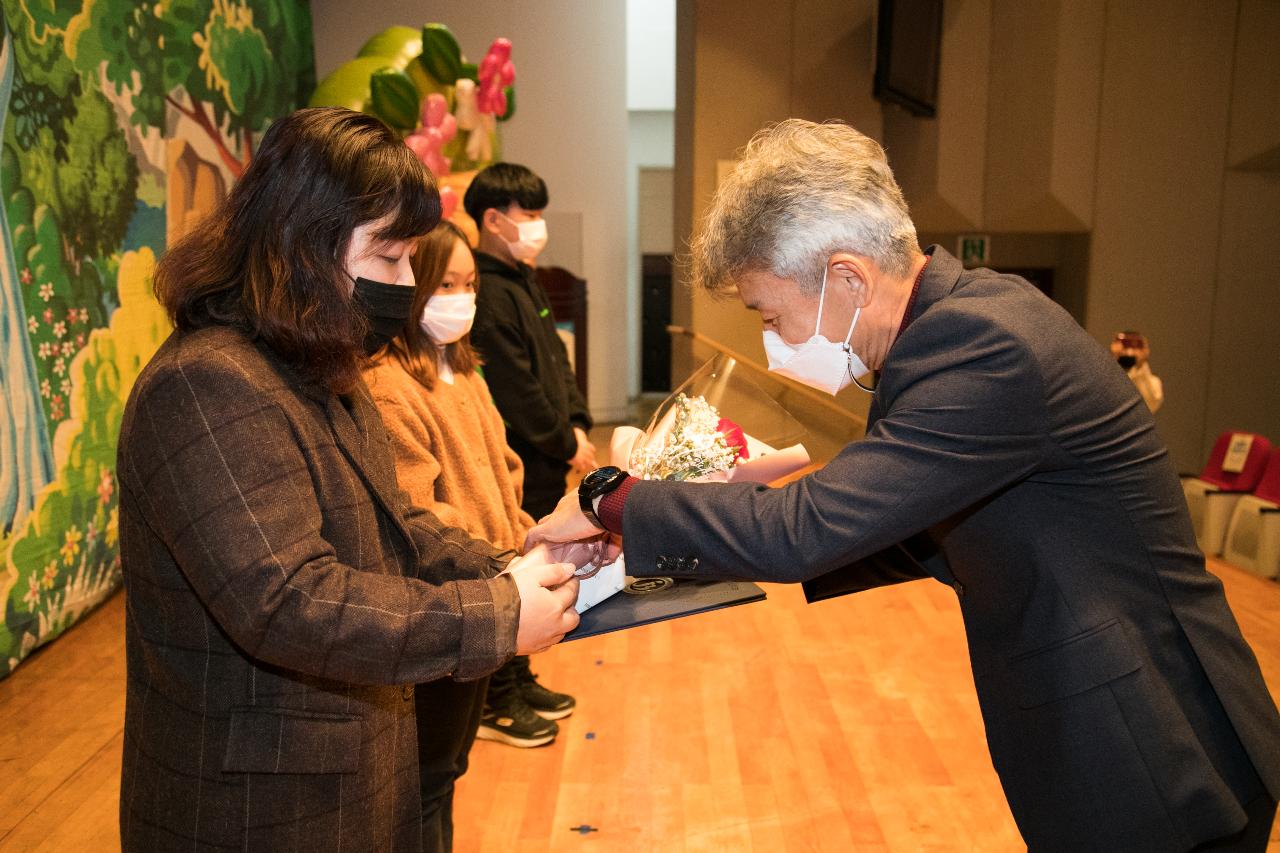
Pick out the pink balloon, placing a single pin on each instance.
(494, 72)
(448, 202)
(448, 127)
(434, 109)
(437, 163)
(418, 144)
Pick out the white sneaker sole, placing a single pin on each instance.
(499, 736)
(553, 715)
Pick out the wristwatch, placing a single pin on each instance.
(598, 483)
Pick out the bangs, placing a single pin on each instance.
(531, 195)
(408, 199)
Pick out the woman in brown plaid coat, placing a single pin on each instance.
(282, 594)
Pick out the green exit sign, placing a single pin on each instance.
(974, 250)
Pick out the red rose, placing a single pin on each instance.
(734, 437)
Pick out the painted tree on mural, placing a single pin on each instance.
(113, 115)
(180, 56)
(72, 153)
(26, 458)
(69, 185)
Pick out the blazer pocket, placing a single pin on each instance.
(278, 741)
(1074, 665)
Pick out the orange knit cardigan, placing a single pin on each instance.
(451, 452)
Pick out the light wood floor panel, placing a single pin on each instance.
(848, 725)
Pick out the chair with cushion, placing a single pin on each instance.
(1253, 536)
(1234, 468)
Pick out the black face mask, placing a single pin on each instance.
(386, 306)
(1127, 361)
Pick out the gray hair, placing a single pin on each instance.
(801, 192)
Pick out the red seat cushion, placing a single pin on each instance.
(1247, 479)
(1268, 487)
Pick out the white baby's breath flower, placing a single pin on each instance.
(693, 448)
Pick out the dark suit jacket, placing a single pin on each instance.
(527, 369)
(1122, 706)
(282, 596)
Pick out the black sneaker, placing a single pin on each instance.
(547, 704)
(510, 720)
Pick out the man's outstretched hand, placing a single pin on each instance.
(573, 538)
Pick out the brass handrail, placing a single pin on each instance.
(792, 385)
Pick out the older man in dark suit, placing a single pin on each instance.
(1006, 456)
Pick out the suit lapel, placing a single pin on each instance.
(356, 433)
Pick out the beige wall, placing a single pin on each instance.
(654, 231)
(1180, 230)
(741, 64)
(1137, 151)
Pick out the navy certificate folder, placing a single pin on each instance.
(648, 600)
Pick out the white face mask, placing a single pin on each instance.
(817, 362)
(448, 316)
(531, 239)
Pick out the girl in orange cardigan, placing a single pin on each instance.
(453, 460)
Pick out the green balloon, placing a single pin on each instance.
(348, 85)
(394, 98)
(441, 56)
(398, 45)
(510, 92)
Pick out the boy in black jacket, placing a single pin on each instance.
(527, 370)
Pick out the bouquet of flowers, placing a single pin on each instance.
(689, 438)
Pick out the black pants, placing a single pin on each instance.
(1253, 838)
(541, 498)
(448, 714)
(537, 505)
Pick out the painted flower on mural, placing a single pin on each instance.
(45, 349)
(32, 596)
(65, 387)
(90, 535)
(67, 348)
(112, 534)
(59, 367)
(71, 544)
(33, 325)
(25, 275)
(50, 574)
(46, 291)
(79, 339)
(84, 315)
(59, 329)
(55, 407)
(47, 315)
(106, 487)
(45, 390)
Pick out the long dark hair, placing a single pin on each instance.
(269, 259)
(413, 347)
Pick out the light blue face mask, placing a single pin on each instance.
(818, 362)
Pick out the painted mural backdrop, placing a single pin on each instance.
(122, 123)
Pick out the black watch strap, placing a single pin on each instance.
(597, 484)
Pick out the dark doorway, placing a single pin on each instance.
(655, 316)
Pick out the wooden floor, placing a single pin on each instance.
(849, 725)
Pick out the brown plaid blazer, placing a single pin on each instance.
(282, 598)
